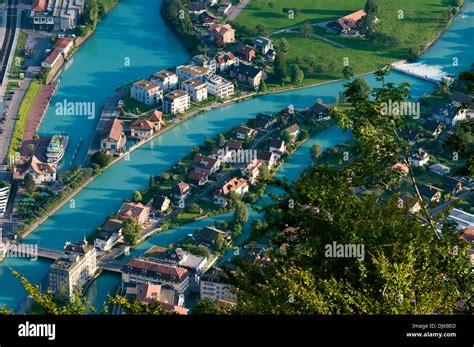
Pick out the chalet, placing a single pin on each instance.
(277, 145)
(208, 235)
(347, 25)
(156, 118)
(450, 114)
(433, 127)
(225, 61)
(221, 34)
(181, 191)
(160, 203)
(430, 193)
(205, 165)
(110, 234)
(242, 133)
(141, 129)
(247, 75)
(412, 204)
(270, 158)
(113, 138)
(440, 169)
(41, 172)
(451, 184)
(238, 185)
(245, 53)
(293, 131)
(136, 210)
(264, 121)
(420, 158)
(197, 179)
(206, 18)
(320, 111)
(252, 170)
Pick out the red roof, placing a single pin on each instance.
(141, 124)
(63, 42)
(39, 5)
(349, 21)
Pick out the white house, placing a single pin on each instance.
(186, 72)
(110, 235)
(420, 158)
(141, 129)
(176, 102)
(146, 92)
(220, 87)
(41, 172)
(197, 90)
(238, 185)
(166, 80)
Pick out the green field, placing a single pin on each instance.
(23, 113)
(422, 21)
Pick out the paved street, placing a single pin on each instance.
(236, 10)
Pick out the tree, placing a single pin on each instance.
(280, 66)
(371, 7)
(306, 30)
(29, 183)
(367, 25)
(261, 31)
(101, 158)
(137, 196)
(241, 213)
(304, 135)
(385, 40)
(221, 139)
(357, 90)
(348, 72)
(316, 151)
(220, 244)
(284, 45)
(297, 75)
(264, 174)
(194, 208)
(131, 230)
(263, 86)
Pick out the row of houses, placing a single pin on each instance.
(60, 51)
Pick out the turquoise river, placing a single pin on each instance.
(133, 42)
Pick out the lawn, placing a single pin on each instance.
(19, 57)
(131, 105)
(422, 21)
(23, 113)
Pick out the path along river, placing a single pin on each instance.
(135, 30)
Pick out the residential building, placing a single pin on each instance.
(243, 133)
(224, 8)
(41, 172)
(156, 119)
(113, 138)
(401, 168)
(420, 158)
(320, 111)
(221, 34)
(206, 18)
(450, 114)
(263, 45)
(209, 235)
(176, 102)
(161, 203)
(205, 165)
(54, 58)
(433, 127)
(187, 72)
(293, 131)
(167, 297)
(247, 75)
(440, 169)
(238, 185)
(347, 25)
(213, 286)
(195, 264)
(181, 191)
(220, 87)
(197, 179)
(411, 135)
(141, 129)
(136, 210)
(197, 90)
(4, 195)
(140, 271)
(451, 184)
(264, 121)
(462, 218)
(430, 193)
(245, 53)
(252, 170)
(69, 273)
(197, 7)
(205, 61)
(225, 61)
(278, 146)
(269, 158)
(166, 80)
(412, 204)
(56, 15)
(146, 92)
(109, 235)
(463, 99)
(64, 44)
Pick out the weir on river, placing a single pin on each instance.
(97, 69)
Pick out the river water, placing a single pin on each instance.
(135, 30)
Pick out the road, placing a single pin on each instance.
(235, 11)
(294, 30)
(445, 205)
